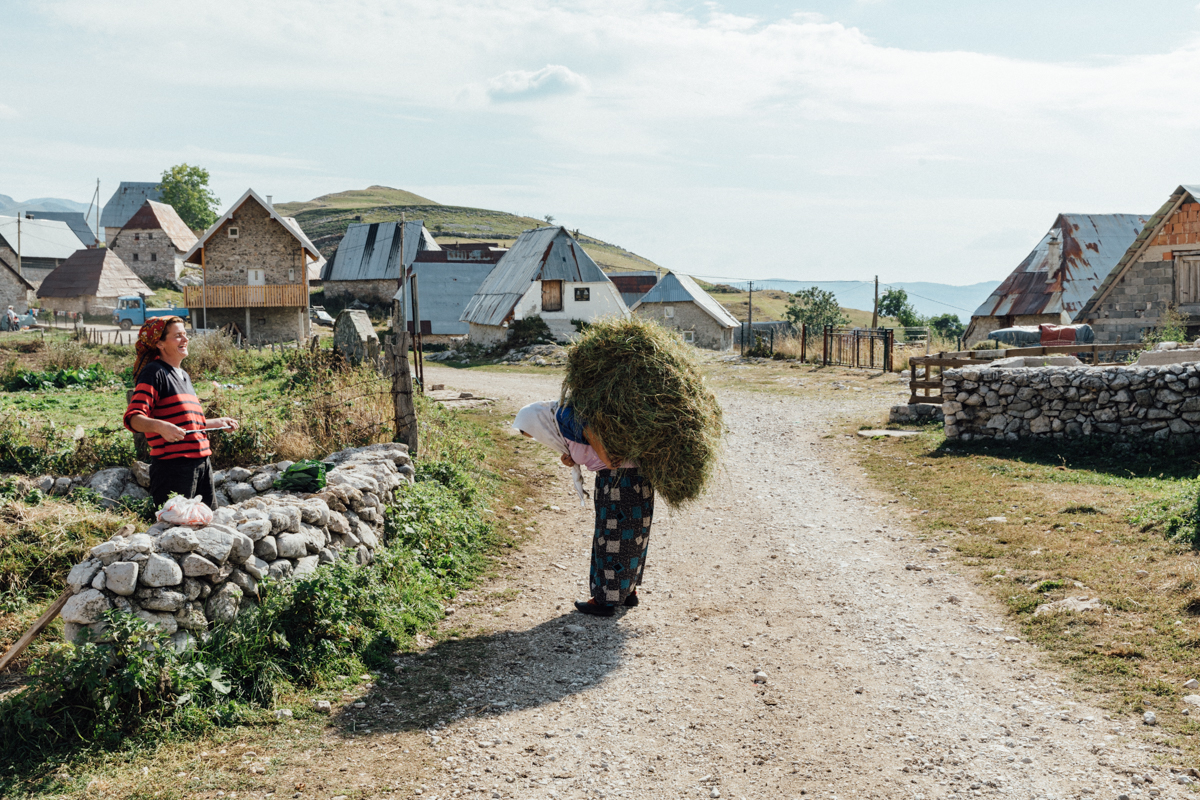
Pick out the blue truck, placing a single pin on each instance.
(131, 312)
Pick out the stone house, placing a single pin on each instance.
(153, 242)
(354, 336)
(678, 302)
(1160, 269)
(15, 290)
(89, 282)
(546, 273)
(124, 203)
(366, 266)
(44, 245)
(255, 267)
(1059, 276)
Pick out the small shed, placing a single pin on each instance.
(89, 282)
(366, 265)
(679, 303)
(354, 336)
(444, 289)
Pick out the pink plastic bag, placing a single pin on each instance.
(183, 511)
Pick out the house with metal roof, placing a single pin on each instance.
(89, 282)
(633, 285)
(75, 220)
(43, 244)
(366, 265)
(678, 302)
(255, 265)
(124, 203)
(546, 273)
(1055, 280)
(1160, 269)
(154, 241)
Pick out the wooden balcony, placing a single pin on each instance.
(288, 295)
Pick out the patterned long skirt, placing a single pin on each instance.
(624, 510)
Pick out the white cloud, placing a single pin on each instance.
(8, 112)
(519, 84)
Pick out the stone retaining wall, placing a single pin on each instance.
(1123, 403)
(183, 579)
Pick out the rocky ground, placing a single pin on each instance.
(793, 640)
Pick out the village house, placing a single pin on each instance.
(124, 203)
(447, 279)
(15, 290)
(1159, 270)
(89, 282)
(44, 245)
(75, 220)
(678, 302)
(255, 270)
(154, 242)
(366, 266)
(1056, 279)
(548, 274)
(633, 285)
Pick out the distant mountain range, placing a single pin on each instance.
(9, 206)
(929, 299)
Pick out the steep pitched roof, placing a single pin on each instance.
(370, 251)
(40, 238)
(1132, 254)
(156, 216)
(549, 254)
(126, 200)
(74, 220)
(445, 289)
(96, 272)
(676, 288)
(1090, 245)
(10, 268)
(290, 224)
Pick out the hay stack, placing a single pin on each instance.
(639, 388)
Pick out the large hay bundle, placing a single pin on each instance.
(639, 388)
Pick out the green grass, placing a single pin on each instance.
(357, 198)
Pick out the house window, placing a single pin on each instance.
(135, 256)
(137, 237)
(689, 337)
(233, 232)
(154, 256)
(291, 275)
(552, 295)
(582, 295)
(669, 311)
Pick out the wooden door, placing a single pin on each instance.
(552, 295)
(256, 278)
(1187, 281)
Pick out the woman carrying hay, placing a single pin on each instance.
(165, 408)
(624, 503)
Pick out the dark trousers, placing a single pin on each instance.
(183, 476)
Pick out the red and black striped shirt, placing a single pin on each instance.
(165, 392)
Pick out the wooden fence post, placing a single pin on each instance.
(402, 393)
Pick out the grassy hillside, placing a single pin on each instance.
(358, 198)
(770, 304)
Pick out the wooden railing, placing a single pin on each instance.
(273, 296)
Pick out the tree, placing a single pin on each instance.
(549, 219)
(185, 188)
(948, 326)
(815, 308)
(894, 303)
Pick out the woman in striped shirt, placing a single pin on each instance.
(165, 408)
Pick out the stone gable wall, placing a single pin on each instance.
(149, 254)
(13, 293)
(689, 317)
(1121, 403)
(367, 291)
(262, 243)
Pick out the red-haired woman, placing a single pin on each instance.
(164, 406)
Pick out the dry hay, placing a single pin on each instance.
(638, 387)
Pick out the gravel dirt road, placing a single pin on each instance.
(883, 672)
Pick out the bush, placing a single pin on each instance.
(531, 330)
(216, 355)
(67, 354)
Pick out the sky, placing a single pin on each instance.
(829, 140)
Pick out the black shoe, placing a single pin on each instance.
(594, 608)
(631, 600)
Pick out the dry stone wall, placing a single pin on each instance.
(1123, 403)
(184, 579)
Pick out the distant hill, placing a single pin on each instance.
(9, 207)
(326, 218)
(929, 299)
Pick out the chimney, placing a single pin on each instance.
(270, 201)
(1053, 255)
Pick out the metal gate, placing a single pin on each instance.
(864, 348)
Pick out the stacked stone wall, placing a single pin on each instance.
(184, 579)
(378, 292)
(149, 254)
(261, 243)
(706, 332)
(1122, 403)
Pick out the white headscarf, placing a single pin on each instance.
(537, 419)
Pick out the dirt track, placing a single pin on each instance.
(883, 680)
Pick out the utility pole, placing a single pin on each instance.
(750, 317)
(404, 412)
(875, 313)
(19, 272)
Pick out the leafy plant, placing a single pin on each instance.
(816, 308)
(1172, 327)
(94, 375)
(527, 331)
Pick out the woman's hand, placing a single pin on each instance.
(567, 460)
(172, 433)
(223, 422)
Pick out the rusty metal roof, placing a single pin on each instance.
(370, 251)
(155, 216)
(126, 200)
(1053, 279)
(97, 272)
(676, 288)
(549, 254)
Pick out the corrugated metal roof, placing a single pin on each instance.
(370, 251)
(549, 254)
(126, 201)
(40, 238)
(75, 221)
(155, 216)
(293, 227)
(445, 290)
(676, 288)
(1089, 246)
(96, 272)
